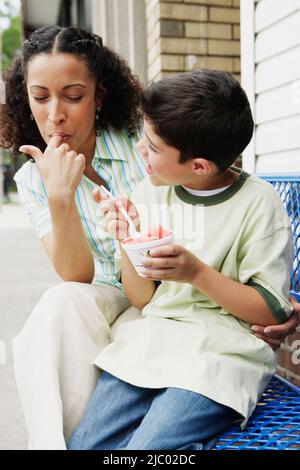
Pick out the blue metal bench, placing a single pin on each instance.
(275, 423)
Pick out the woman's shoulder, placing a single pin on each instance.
(120, 147)
(112, 139)
(28, 175)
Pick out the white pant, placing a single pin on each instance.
(53, 357)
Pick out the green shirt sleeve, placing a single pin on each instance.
(267, 266)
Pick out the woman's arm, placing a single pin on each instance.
(61, 171)
(67, 245)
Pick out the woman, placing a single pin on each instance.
(74, 103)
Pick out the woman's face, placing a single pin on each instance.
(62, 99)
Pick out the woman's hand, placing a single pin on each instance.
(274, 335)
(61, 169)
(114, 220)
(172, 263)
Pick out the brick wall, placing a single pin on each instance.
(187, 34)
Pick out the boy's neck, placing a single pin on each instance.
(216, 181)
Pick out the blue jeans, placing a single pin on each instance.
(123, 416)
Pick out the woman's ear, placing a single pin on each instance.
(201, 166)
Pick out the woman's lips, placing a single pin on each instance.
(64, 137)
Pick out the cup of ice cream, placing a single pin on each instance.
(136, 247)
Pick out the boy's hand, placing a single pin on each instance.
(114, 220)
(274, 335)
(171, 263)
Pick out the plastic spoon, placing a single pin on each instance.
(132, 228)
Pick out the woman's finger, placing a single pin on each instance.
(284, 329)
(34, 152)
(258, 329)
(80, 158)
(278, 331)
(64, 148)
(54, 141)
(274, 343)
(71, 154)
(261, 331)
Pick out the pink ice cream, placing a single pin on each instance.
(156, 233)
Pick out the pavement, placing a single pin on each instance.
(25, 274)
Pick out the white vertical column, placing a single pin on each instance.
(2, 100)
(115, 16)
(124, 29)
(122, 25)
(131, 30)
(138, 38)
(99, 18)
(247, 8)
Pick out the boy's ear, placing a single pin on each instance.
(201, 166)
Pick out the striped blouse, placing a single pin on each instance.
(119, 164)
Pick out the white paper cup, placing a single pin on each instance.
(136, 250)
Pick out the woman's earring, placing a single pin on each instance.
(31, 117)
(98, 123)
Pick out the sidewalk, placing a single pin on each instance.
(25, 273)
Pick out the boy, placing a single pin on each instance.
(178, 375)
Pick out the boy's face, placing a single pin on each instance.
(163, 160)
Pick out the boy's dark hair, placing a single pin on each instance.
(203, 113)
(116, 86)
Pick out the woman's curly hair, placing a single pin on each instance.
(117, 87)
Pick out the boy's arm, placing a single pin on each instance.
(243, 301)
(139, 291)
(175, 263)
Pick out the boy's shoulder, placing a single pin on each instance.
(261, 183)
(262, 204)
(261, 190)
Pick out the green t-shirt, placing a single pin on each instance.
(184, 339)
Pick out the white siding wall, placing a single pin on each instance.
(121, 24)
(271, 76)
